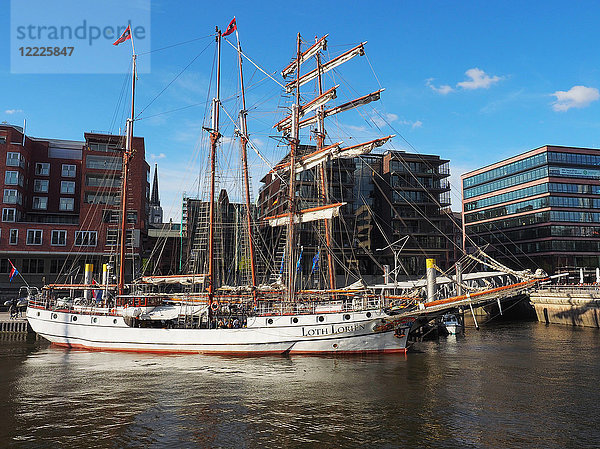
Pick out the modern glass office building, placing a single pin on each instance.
(538, 209)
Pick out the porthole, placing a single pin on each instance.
(54, 316)
(115, 321)
(94, 320)
(346, 317)
(38, 314)
(368, 314)
(320, 318)
(294, 320)
(335, 346)
(270, 321)
(74, 318)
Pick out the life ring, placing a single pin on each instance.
(214, 306)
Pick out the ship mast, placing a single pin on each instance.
(126, 159)
(324, 191)
(244, 144)
(294, 141)
(290, 127)
(214, 139)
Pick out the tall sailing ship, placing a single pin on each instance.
(253, 318)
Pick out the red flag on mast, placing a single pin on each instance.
(126, 35)
(230, 28)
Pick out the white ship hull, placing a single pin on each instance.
(352, 332)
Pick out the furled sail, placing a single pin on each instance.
(306, 215)
(285, 124)
(321, 44)
(359, 50)
(184, 279)
(335, 152)
(309, 107)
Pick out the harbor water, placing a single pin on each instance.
(520, 384)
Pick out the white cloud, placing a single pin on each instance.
(158, 156)
(443, 90)
(479, 80)
(13, 111)
(412, 124)
(383, 119)
(575, 97)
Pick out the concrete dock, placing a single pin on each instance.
(10, 325)
(571, 305)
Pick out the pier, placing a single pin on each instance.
(10, 325)
(573, 305)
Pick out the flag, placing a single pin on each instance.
(96, 294)
(315, 264)
(276, 201)
(13, 272)
(230, 28)
(299, 263)
(282, 262)
(126, 35)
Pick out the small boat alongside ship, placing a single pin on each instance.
(451, 324)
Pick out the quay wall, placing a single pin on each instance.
(14, 326)
(573, 305)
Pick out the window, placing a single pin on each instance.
(40, 203)
(85, 238)
(102, 181)
(2, 139)
(102, 198)
(66, 204)
(15, 160)
(34, 236)
(13, 196)
(104, 162)
(103, 147)
(40, 185)
(10, 196)
(13, 237)
(67, 187)
(55, 266)
(9, 214)
(69, 170)
(33, 266)
(42, 168)
(58, 238)
(4, 266)
(13, 178)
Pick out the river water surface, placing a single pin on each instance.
(507, 385)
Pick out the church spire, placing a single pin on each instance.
(156, 212)
(154, 199)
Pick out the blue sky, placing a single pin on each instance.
(474, 82)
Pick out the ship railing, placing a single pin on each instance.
(312, 305)
(580, 288)
(71, 305)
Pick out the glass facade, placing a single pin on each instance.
(505, 170)
(569, 224)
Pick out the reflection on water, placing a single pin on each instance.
(522, 384)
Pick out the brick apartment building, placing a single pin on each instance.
(389, 195)
(60, 206)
